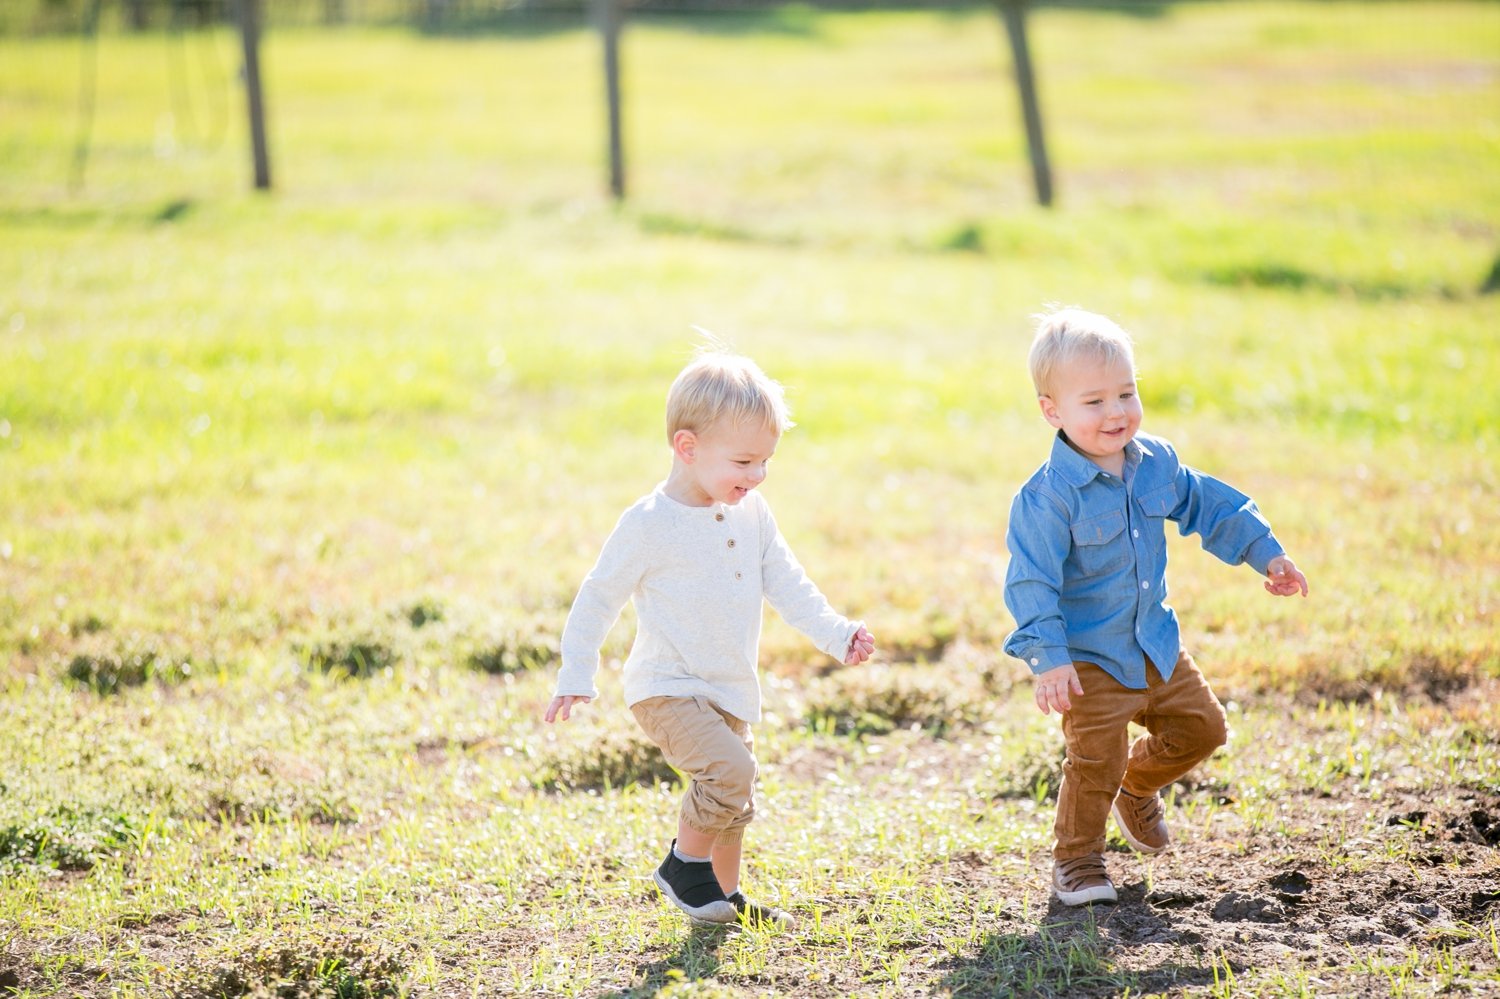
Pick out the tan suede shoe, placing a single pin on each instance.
(1082, 881)
(1142, 822)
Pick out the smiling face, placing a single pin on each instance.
(722, 464)
(1094, 402)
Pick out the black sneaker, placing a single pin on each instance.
(755, 914)
(694, 889)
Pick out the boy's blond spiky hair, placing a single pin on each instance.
(1065, 334)
(722, 388)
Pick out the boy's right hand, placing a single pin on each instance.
(564, 706)
(1283, 578)
(1054, 687)
(861, 647)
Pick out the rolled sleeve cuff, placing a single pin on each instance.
(842, 639)
(575, 681)
(1040, 659)
(1262, 551)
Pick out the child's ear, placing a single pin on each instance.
(1049, 410)
(685, 445)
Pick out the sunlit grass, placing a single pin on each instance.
(296, 489)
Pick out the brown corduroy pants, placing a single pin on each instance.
(1184, 723)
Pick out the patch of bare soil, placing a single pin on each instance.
(1274, 901)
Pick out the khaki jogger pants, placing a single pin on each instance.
(1184, 723)
(716, 749)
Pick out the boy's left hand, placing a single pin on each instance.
(1283, 578)
(861, 647)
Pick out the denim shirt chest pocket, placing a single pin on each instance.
(1158, 502)
(1099, 545)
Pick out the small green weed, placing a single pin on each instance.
(107, 666)
(1055, 960)
(273, 787)
(1036, 775)
(513, 647)
(68, 839)
(302, 962)
(619, 757)
(421, 613)
(965, 237)
(1436, 674)
(359, 651)
(879, 700)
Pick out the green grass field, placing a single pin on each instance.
(295, 491)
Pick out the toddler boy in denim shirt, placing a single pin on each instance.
(1087, 587)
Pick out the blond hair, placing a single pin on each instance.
(720, 387)
(1065, 335)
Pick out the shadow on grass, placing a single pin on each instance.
(1067, 956)
(765, 17)
(1491, 283)
(696, 960)
(1290, 277)
(788, 20)
(73, 215)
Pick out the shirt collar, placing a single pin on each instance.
(1078, 471)
(692, 514)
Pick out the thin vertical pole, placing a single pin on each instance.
(88, 86)
(1015, 27)
(608, 15)
(250, 34)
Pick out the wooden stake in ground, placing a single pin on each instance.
(1013, 13)
(250, 34)
(608, 16)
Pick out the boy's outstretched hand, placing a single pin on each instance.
(1055, 687)
(1283, 578)
(562, 707)
(861, 647)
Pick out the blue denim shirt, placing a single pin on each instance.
(1088, 556)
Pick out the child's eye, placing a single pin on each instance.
(1128, 395)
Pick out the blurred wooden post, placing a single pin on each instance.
(137, 17)
(608, 15)
(250, 34)
(1015, 27)
(88, 87)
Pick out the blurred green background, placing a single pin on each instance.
(431, 361)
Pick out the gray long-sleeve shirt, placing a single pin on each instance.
(697, 576)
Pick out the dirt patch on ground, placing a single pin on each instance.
(1220, 911)
(1223, 905)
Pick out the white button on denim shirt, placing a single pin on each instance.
(1070, 583)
